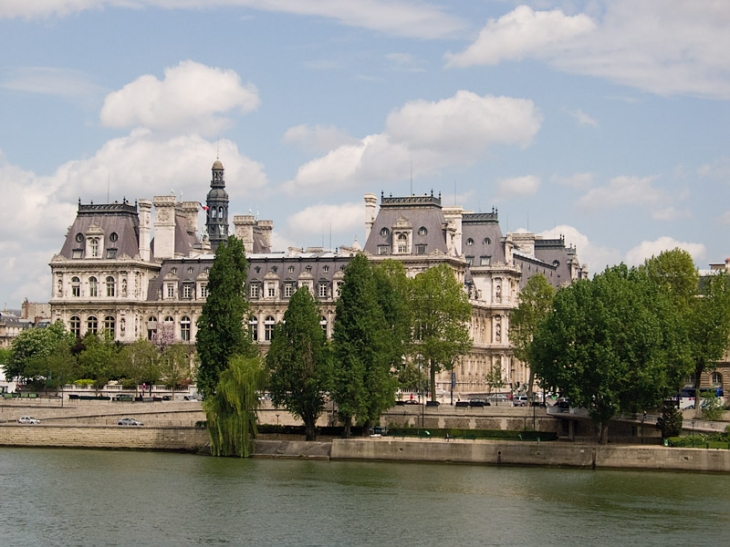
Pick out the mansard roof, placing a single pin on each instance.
(107, 219)
(482, 236)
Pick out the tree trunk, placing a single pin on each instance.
(433, 381)
(310, 429)
(347, 420)
(603, 436)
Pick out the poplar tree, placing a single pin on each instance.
(441, 315)
(363, 386)
(298, 362)
(221, 332)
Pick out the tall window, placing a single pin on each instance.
(94, 247)
(187, 291)
(716, 379)
(204, 290)
(170, 290)
(185, 329)
(253, 327)
(269, 328)
(151, 328)
(323, 290)
(109, 325)
(402, 243)
(76, 326)
(254, 290)
(93, 287)
(110, 289)
(75, 286)
(288, 290)
(92, 325)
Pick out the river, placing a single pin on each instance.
(109, 498)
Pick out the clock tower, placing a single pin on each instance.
(217, 221)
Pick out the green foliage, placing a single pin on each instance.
(139, 363)
(298, 361)
(231, 409)
(711, 405)
(35, 343)
(495, 380)
(441, 315)
(221, 332)
(670, 422)
(535, 304)
(612, 344)
(175, 365)
(363, 386)
(99, 360)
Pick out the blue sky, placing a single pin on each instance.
(605, 121)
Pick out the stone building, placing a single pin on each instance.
(112, 275)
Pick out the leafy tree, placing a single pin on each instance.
(611, 344)
(441, 315)
(57, 367)
(231, 407)
(298, 362)
(35, 343)
(139, 363)
(175, 365)
(535, 304)
(100, 359)
(495, 378)
(220, 325)
(363, 386)
(670, 422)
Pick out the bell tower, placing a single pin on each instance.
(217, 201)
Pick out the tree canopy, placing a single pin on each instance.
(221, 333)
(35, 344)
(299, 363)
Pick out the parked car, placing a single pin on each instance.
(498, 398)
(28, 420)
(478, 403)
(129, 421)
(519, 400)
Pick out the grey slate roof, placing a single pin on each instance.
(119, 218)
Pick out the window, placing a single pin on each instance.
(213, 212)
(173, 271)
(339, 287)
(254, 290)
(109, 325)
(93, 287)
(383, 249)
(188, 290)
(325, 269)
(110, 286)
(323, 290)
(111, 253)
(323, 324)
(470, 242)
(288, 290)
(556, 263)
(185, 329)
(487, 241)
(291, 269)
(716, 379)
(75, 326)
(94, 247)
(422, 231)
(385, 232)
(469, 260)
(171, 290)
(77, 253)
(269, 328)
(402, 243)
(169, 319)
(114, 237)
(75, 286)
(204, 290)
(92, 325)
(420, 249)
(80, 238)
(271, 291)
(190, 270)
(151, 328)
(206, 270)
(253, 327)
(485, 260)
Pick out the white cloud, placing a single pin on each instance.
(583, 118)
(399, 17)
(522, 33)
(518, 186)
(51, 81)
(671, 213)
(318, 138)
(719, 169)
(595, 257)
(190, 98)
(345, 218)
(665, 47)
(624, 190)
(647, 249)
(428, 136)
(577, 180)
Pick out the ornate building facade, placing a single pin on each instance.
(111, 275)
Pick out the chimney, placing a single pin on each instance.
(145, 214)
(371, 202)
(164, 226)
(243, 228)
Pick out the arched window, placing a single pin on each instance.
(213, 212)
(269, 328)
(185, 329)
(75, 286)
(94, 247)
(75, 326)
(716, 379)
(253, 327)
(110, 286)
(220, 212)
(402, 243)
(92, 325)
(93, 287)
(109, 325)
(151, 328)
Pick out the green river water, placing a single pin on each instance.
(107, 498)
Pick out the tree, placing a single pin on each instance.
(363, 386)
(100, 359)
(139, 363)
(231, 407)
(220, 326)
(298, 362)
(612, 344)
(35, 343)
(57, 367)
(175, 366)
(441, 315)
(534, 305)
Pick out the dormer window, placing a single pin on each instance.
(402, 243)
(94, 247)
(422, 231)
(114, 237)
(385, 232)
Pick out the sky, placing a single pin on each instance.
(606, 121)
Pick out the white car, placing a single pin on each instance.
(28, 420)
(129, 421)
